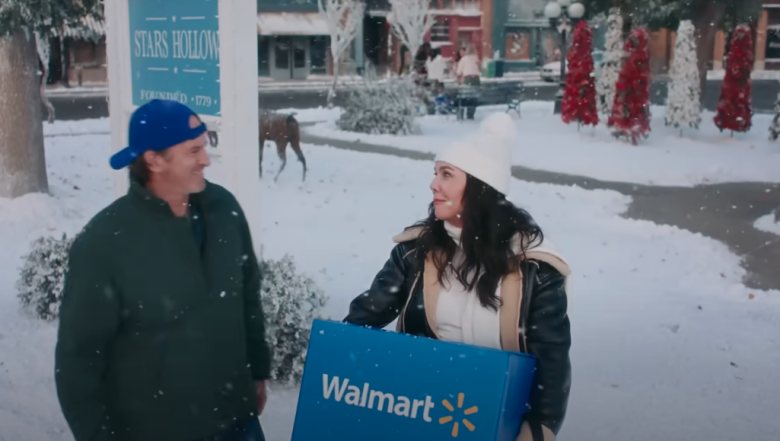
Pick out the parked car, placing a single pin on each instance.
(551, 71)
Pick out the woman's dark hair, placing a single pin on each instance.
(490, 222)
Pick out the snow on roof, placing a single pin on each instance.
(461, 12)
(438, 44)
(88, 28)
(291, 23)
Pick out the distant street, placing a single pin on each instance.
(91, 106)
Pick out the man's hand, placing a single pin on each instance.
(262, 395)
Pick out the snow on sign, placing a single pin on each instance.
(361, 384)
(174, 52)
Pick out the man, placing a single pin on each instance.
(161, 333)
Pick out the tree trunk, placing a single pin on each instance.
(65, 54)
(22, 161)
(332, 91)
(707, 23)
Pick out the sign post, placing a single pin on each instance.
(202, 53)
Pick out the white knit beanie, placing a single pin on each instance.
(486, 155)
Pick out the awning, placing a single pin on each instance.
(291, 23)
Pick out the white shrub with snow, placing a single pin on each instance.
(683, 108)
(387, 107)
(42, 277)
(291, 301)
(612, 62)
(774, 128)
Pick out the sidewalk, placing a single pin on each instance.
(77, 92)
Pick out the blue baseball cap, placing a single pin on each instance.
(157, 125)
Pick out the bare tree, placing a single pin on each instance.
(22, 159)
(410, 21)
(344, 18)
(22, 163)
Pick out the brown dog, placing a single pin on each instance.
(282, 129)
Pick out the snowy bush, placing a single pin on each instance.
(291, 301)
(42, 276)
(381, 108)
(774, 128)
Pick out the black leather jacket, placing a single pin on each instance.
(548, 335)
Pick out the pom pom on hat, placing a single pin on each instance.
(501, 126)
(486, 155)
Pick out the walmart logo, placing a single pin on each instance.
(340, 390)
(450, 418)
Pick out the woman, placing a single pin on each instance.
(437, 69)
(467, 72)
(419, 63)
(474, 272)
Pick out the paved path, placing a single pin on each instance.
(725, 212)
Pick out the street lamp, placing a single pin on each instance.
(562, 14)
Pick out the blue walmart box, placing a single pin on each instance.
(361, 384)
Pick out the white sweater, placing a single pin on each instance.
(468, 66)
(437, 68)
(459, 315)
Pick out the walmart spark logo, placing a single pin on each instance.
(450, 418)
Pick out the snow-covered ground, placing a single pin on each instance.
(768, 223)
(757, 74)
(668, 343)
(545, 143)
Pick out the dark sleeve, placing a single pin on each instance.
(382, 303)
(549, 339)
(258, 353)
(89, 320)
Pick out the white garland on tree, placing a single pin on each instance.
(683, 108)
(613, 61)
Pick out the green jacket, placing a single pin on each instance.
(158, 338)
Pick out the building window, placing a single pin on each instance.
(440, 31)
(518, 45)
(263, 56)
(299, 53)
(282, 55)
(773, 36)
(319, 54)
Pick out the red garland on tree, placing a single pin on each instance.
(734, 112)
(631, 109)
(579, 96)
